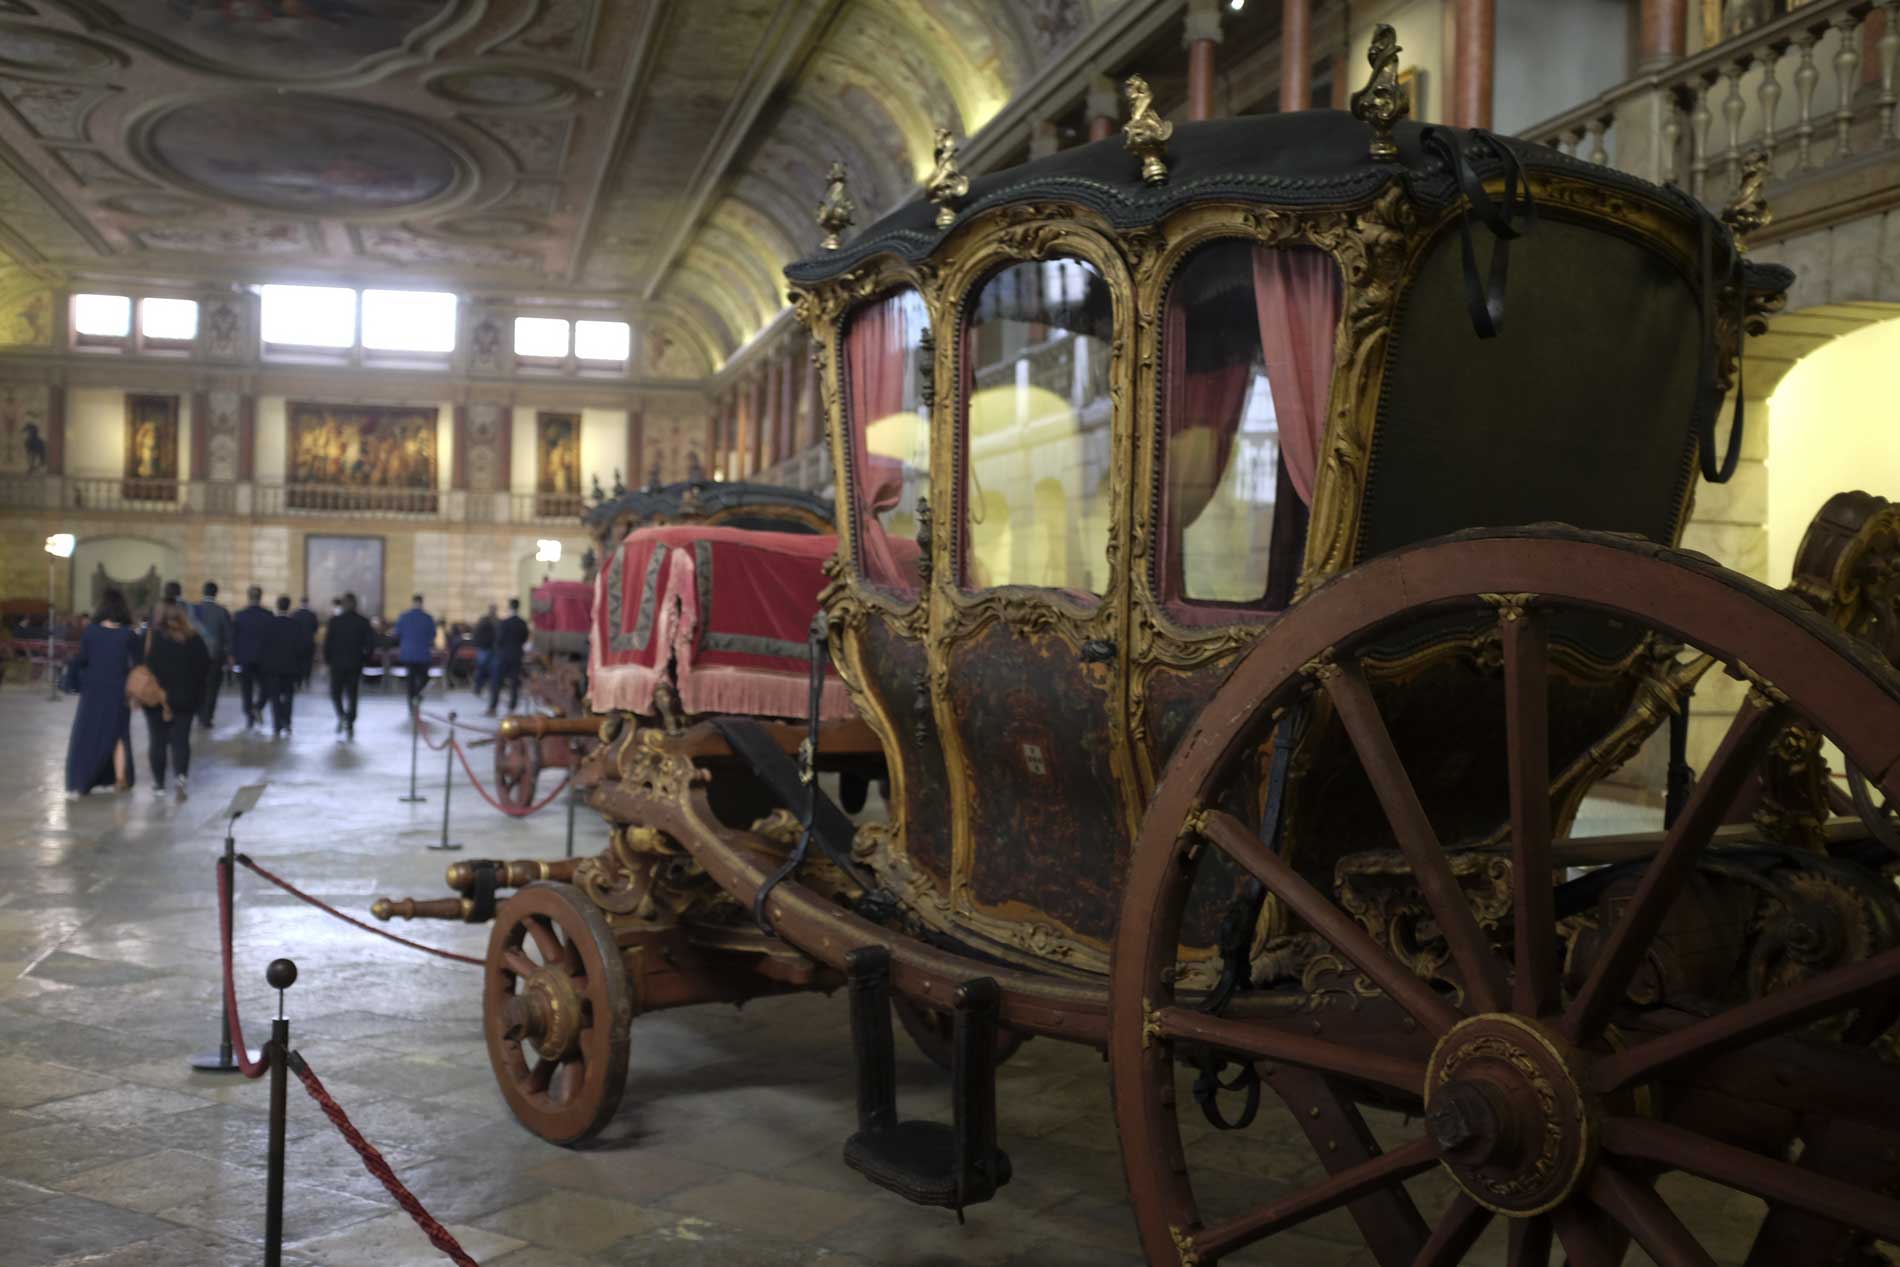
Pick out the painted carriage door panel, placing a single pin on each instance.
(1038, 757)
(896, 673)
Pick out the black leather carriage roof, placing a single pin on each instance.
(713, 496)
(1309, 158)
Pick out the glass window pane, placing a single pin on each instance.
(168, 318)
(1036, 357)
(309, 316)
(409, 320)
(602, 340)
(1247, 363)
(103, 316)
(890, 435)
(540, 336)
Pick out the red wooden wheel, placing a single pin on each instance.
(1517, 1092)
(557, 1011)
(935, 1034)
(517, 769)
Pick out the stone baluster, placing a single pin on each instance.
(1888, 50)
(1806, 76)
(1733, 108)
(1847, 74)
(1670, 169)
(1700, 119)
(1593, 130)
(1768, 97)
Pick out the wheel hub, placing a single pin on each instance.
(1506, 1107)
(547, 1013)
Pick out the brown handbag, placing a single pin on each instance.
(141, 684)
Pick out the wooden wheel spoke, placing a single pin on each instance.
(1755, 727)
(1455, 1234)
(1431, 868)
(568, 1078)
(1402, 985)
(1647, 1218)
(1791, 1008)
(1525, 639)
(1265, 1041)
(1311, 1202)
(1586, 1239)
(1776, 1182)
(546, 940)
(519, 964)
(541, 1074)
(1529, 1242)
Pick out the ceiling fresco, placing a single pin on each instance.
(661, 155)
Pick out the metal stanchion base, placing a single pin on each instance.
(410, 800)
(449, 847)
(218, 1062)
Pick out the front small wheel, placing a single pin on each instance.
(557, 1011)
(517, 769)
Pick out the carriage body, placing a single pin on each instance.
(1127, 424)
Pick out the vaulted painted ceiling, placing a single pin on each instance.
(661, 155)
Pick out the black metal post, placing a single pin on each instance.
(570, 813)
(448, 782)
(1681, 779)
(415, 734)
(281, 974)
(220, 1060)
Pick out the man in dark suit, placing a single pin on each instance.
(214, 624)
(251, 629)
(306, 621)
(511, 637)
(348, 644)
(282, 661)
(415, 646)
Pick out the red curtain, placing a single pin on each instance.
(1297, 299)
(1203, 409)
(875, 362)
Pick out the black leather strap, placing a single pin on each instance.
(1708, 399)
(816, 646)
(1484, 297)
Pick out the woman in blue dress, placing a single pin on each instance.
(100, 753)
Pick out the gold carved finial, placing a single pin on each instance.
(837, 212)
(946, 183)
(1382, 103)
(1747, 212)
(1146, 133)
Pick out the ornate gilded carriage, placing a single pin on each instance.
(1241, 584)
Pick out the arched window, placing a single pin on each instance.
(889, 433)
(1247, 367)
(1037, 419)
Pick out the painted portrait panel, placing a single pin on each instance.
(23, 409)
(151, 447)
(557, 446)
(335, 565)
(361, 446)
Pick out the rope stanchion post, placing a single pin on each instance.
(281, 974)
(220, 1061)
(415, 735)
(571, 793)
(448, 782)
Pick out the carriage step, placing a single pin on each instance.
(929, 1163)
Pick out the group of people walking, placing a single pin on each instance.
(172, 667)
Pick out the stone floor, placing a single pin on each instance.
(726, 1150)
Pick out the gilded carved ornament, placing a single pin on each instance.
(1747, 212)
(1146, 133)
(1382, 102)
(946, 184)
(837, 212)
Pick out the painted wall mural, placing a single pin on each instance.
(675, 450)
(361, 446)
(335, 566)
(151, 446)
(486, 427)
(557, 446)
(221, 446)
(301, 152)
(287, 39)
(23, 409)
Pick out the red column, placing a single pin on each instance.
(1477, 39)
(1664, 32)
(458, 466)
(1201, 34)
(1296, 54)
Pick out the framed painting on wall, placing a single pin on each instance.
(557, 463)
(361, 457)
(151, 448)
(337, 565)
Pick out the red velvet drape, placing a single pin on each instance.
(875, 349)
(1202, 409)
(1297, 299)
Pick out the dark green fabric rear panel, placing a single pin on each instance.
(1578, 412)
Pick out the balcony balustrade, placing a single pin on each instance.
(263, 500)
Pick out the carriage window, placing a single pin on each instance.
(1035, 362)
(890, 435)
(1248, 368)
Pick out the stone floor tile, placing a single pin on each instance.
(13, 1194)
(470, 1185)
(26, 1083)
(156, 1181)
(66, 1227)
(770, 1207)
(631, 1176)
(575, 1221)
(689, 1241)
(237, 1210)
(183, 1247)
(395, 1241)
(46, 1154)
(122, 1107)
(536, 1256)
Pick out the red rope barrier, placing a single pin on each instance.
(246, 1066)
(457, 725)
(327, 909)
(374, 1162)
(508, 809)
